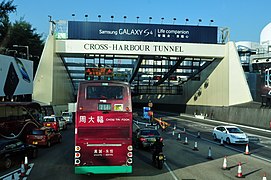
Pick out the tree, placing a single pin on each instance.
(5, 9)
(21, 33)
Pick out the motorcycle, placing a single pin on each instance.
(159, 160)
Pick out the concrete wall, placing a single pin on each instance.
(227, 83)
(251, 115)
(52, 84)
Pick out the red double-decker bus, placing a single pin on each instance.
(103, 128)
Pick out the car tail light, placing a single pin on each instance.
(130, 154)
(142, 139)
(130, 148)
(161, 139)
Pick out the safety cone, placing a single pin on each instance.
(239, 172)
(195, 147)
(22, 174)
(247, 150)
(185, 141)
(264, 176)
(221, 142)
(26, 163)
(198, 136)
(209, 154)
(184, 130)
(224, 166)
(173, 132)
(179, 136)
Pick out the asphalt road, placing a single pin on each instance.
(182, 162)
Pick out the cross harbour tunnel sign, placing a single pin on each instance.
(141, 32)
(139, 48)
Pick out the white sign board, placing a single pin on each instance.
(16, 76)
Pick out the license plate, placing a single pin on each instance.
(152, 140)
(161, 157)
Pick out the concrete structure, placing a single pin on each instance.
(221, 83)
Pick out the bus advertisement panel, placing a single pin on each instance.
(103, 128)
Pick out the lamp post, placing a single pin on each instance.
(186, 20)
(137, 19)
(211, 21)
(162, 20)
(27, 49)
(174, 19)
(199, 21)
(150, 18)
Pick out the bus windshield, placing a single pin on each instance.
(104, 92)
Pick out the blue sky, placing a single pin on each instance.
(244, 18)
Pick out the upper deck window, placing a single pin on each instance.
(105, 92)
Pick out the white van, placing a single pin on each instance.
(68, 117)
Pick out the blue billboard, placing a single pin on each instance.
(141, 32)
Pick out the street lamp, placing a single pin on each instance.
(199, 21)
(186, 20)
(162, 20)
(27, 49)
(137, 19)
(150, 18)
(174, 19)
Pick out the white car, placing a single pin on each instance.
(230, 134)
(68, 117)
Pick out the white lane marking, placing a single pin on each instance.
(16, 174)
(171, 172)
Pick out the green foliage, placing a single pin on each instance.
(19, 33)
(5, 9)
(22, 33)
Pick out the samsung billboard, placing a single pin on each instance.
(141, 32)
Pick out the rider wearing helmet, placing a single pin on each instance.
(157, 147)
